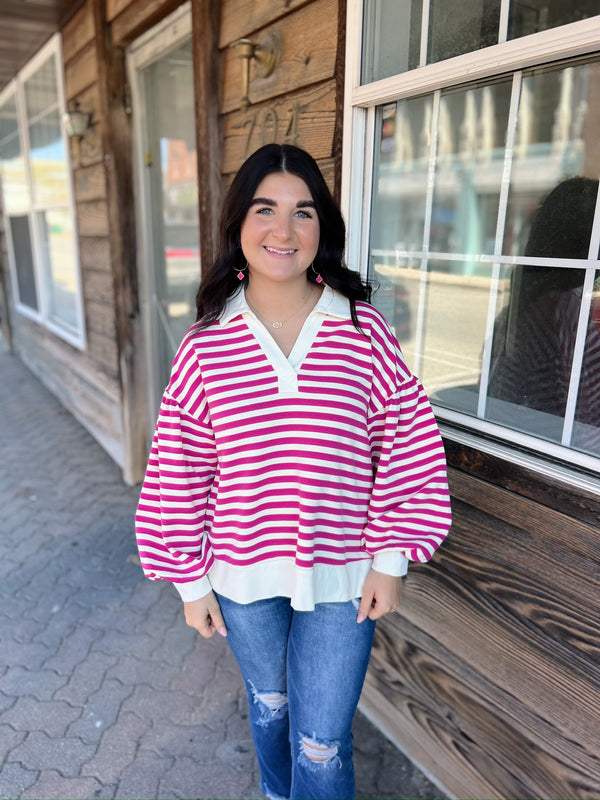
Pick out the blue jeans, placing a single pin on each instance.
(304, 672)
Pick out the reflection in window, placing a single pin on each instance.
(471, 142)
(21, 243)
(12, 163)
(550, 143)
(534, 336)
(56, 235)
(485, 252)
(392, 32)
(456, 28)
(586, 429)
(533, 16)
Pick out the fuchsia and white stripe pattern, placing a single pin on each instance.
(330, 467)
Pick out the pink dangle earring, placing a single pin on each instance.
(240, 276)
(318, 278)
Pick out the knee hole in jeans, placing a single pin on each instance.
(272, 704)
(316, 753)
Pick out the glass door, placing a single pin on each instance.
(161, 76)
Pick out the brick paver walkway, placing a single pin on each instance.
(104, 691)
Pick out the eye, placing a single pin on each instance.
(303, 214)
(264, 210)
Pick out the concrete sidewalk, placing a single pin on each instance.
(104, 691)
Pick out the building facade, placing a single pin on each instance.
(462, 143)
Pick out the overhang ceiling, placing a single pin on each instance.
(26, 25)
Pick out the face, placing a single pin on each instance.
(280, 233)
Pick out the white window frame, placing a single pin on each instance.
(74, 336)
(360, 103)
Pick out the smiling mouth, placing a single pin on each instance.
(280, 252)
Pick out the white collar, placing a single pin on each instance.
(331, 304)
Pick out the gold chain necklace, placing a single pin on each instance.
(279, 323)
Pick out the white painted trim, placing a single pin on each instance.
(513, 112)
(488, 258)
(582, 327)
(504, 437)
(543, 466)
(353, 126)
(425, 10)
(143, 52)
(166, 35)
(503, 22)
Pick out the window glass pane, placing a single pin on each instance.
(456, 28)
(14, 182)
(556, 138)
(398, 214)
(9, 127)
(48, 160)
(56, 234)
(470, 160)
(540, 15)
(47, 151)
(21, 241)
(586, 430)
(534, 339)
(41, 90)
(392, 37)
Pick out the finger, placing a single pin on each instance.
(203, 625)
(217, 621)
(365, 606)
(378, 610)
(199, 619)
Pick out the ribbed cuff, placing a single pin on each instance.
(193, 590)
(391, 562)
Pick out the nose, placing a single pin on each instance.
(282, 227)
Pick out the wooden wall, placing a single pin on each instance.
(489, 676)
(297, 103)
(88, 381)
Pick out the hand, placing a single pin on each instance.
(381, 594)
(205, 616)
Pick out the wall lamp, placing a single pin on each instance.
(76, 121)
(266, 53)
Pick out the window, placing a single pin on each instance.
(481, 219)
(37, 195)
(400, 35)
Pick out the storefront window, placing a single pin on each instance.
(484, 245)
(37, 198)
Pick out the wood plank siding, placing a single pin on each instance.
(297, 103)
(489, 675)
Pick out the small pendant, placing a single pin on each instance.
(240, 276)
(277, 324)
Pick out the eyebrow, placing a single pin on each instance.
(266, 201)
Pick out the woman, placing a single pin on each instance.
(295, 469)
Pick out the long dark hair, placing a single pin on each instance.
(220, 281)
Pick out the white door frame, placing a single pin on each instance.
(144, 51)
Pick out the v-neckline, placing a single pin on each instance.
(287, 368)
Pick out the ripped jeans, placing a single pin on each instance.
(304, 672)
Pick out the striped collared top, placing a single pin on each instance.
(274, 476)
